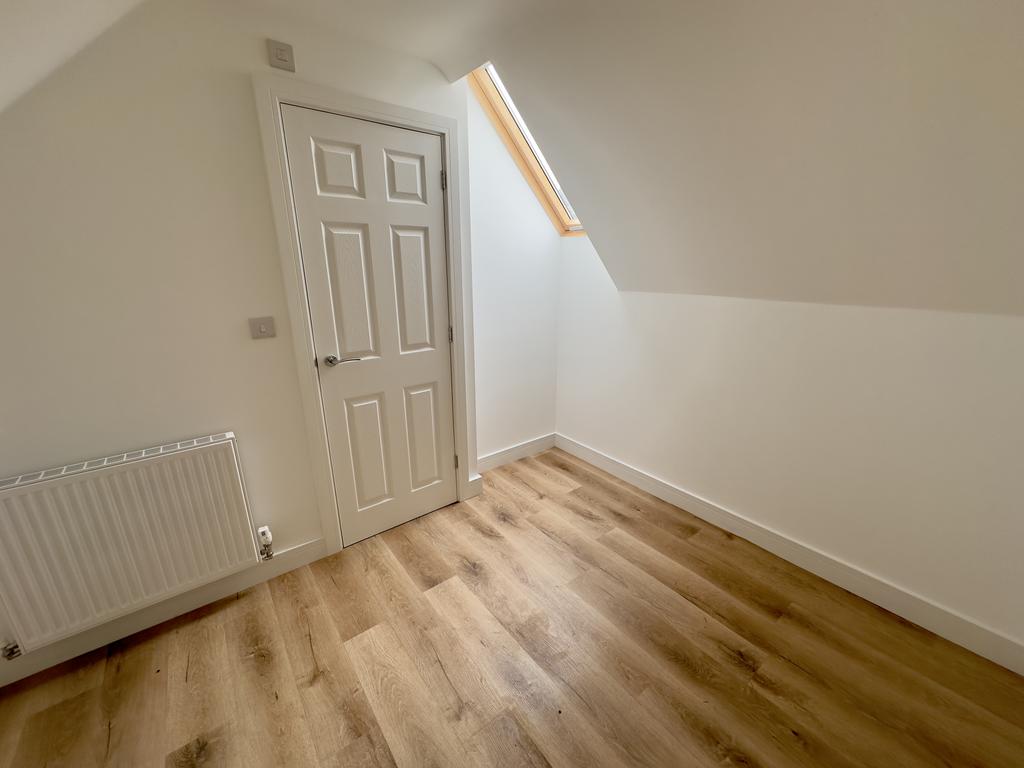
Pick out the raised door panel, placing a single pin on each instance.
(410, 250)
(368, 442)
(339, 168)
(406, 177)
(423, 435)
(350, 271)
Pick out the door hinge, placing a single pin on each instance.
(10, 650)
(451, 335)
(444, 179)
(456, 461)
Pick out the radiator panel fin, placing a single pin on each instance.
(96, 540)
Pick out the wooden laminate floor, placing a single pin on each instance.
(563, 618)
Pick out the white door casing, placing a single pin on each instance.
(369, 210)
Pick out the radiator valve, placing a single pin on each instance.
(10, 650)
(266, 542)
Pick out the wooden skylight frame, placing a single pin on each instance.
(523, 150)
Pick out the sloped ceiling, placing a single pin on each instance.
(862, 152)
(440, 31)
(804, 150)
(37, 36)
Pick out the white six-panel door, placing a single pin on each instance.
(370, 213)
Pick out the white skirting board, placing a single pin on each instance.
(282, 562)
(514, 452)
(943, 621)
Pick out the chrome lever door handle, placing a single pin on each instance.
(333, 360)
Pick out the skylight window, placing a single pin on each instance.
(510, 125)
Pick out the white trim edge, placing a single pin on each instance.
(943, 621)
(282, 562)
(515, 452)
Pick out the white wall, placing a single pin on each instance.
(137, 239)
(515, 278)
(890, 439)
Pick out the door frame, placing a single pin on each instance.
(271, 92)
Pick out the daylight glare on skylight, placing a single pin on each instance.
(493, 74)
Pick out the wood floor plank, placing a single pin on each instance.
(134, 700)
(336, 708)
(200, 702)
(713, 659)
(570, 652)
(208, 748)
(591, 521)
(365, 752)
(404, 706)
(561, 618)
(545, 478)
(544, 483)
(412, 546)
(342, 581)
(463, 693)
(69, 733)
(871, 740)
(860, 678)
(569, 627)
(773, 735)
(601, 505)
(22, 700)
(507, 744)
(598, 479)
(562, 730)
(271, 724)
(622, 501)
(505, 518)
(978, 679)
(938, 718)
(523, 496)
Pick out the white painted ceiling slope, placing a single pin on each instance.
(805, 150)
(827, 151)
(37, 36)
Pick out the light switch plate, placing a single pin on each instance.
(262, 327)
(280, 55)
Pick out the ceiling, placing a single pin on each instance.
(37, 36)
(800, 150)
(861, 153)
(428, 29)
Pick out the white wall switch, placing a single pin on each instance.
(280, 55)
(262, 327)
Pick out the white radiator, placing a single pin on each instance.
(83, 544)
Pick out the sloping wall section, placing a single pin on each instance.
(832, 152)
(37, 37)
